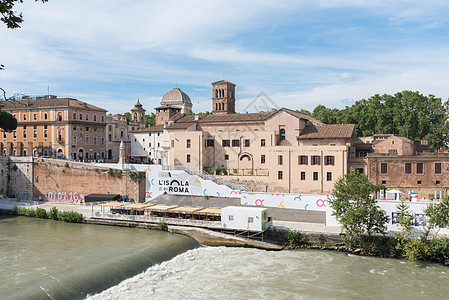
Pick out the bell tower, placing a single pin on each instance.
(223, 98)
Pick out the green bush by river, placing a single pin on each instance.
(53, 213)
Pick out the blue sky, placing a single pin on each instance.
(299, 53)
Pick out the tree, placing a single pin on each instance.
(11, 18)
(127, 116)
(150, 120)
(354, 207)
(438, 214)
(7, 121)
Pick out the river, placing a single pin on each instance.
(48, 259)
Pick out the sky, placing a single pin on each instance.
(281, 53)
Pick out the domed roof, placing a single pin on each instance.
(137, 106)
(175, 96)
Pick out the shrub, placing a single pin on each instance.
(162, 226)
(15, 208)
(30, 212)
(294, 238)
(70, 216)
(135, 176)
(53, 213)
(66, 165)
(41, 213)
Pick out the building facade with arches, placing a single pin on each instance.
(55, 127)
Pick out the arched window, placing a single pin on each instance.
(282, 134)
(245, 156)
(216, 93)
(24, 153)
(135, 117)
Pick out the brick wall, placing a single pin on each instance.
(69, 181)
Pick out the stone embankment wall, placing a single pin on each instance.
(65, 181)
(16, 177)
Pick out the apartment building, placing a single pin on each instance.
(55, 127)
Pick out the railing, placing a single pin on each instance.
(151, 219)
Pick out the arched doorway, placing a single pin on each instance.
(60, 153)
(81, 154)
(246, 164)
(110, 154)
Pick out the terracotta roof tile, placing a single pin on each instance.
(336, 131)
(43, 103)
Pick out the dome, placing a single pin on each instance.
(137, 106)
(175, 96)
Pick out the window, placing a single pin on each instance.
(408, 168)
(45, 116)
(280, 175)
(437, 168)
(74, 128)
(437, 182)
(419, 181)
(383, 168)
(172, 142)
(226, 143)
(329, 176)
(110, 137)
(235, 143)
(209, 143)
(24, 132)
(14, 134)
(24, 117)
(188, 143)
(87, 128)
(250, 219)
(392, 151)
(95, 141)
(95, 117)
(302, 160)
(35, 116)
(226, 157)
(315, 160)
(121, 133)
(102, 118)
(188, 158)
(262, 143)
(315, 176)
(45, 133)
(282, 134)
(419, 168)
(35, 133)
(231, 218)
(158, 144)
(246, 143)
(110, 128)
(262, 159)
(329, 160)
(303, 175)
(4, 134)
(81, 116)
(280, 160)
(95, 129)
(87, 117)
(384, 182)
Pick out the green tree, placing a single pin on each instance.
(150, 120)
(127, 116)
(355, 209)
(7, 121)
(438, 216)
(10, 17)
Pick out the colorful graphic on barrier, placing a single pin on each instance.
(292, 201)
(74, 197)
(159, 181)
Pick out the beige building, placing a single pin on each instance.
(287, 150)
(119, 129)
(55, 127)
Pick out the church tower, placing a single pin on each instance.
(138, 114)
(223, 98)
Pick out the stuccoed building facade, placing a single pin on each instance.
(55, 127)
(287, 150)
